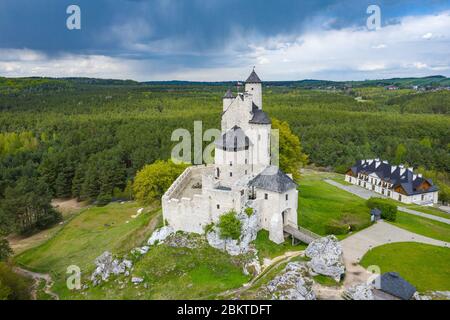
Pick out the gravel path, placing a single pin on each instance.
(37, 277)
(366, 194)
(357, 245)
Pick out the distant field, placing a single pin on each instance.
(321, 205)
(424, 266)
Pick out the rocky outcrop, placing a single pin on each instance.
(107, 266)
(252, 267)
(160, 235)
(326, 257)
(294, 283)
(360, 291)
(249, 230)
(184, 240)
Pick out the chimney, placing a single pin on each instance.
(377, 163)
(419, 175)
(393, 168)
(414, 177)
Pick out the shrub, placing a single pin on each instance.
(229, 226)
(208, 227)
(153, 180)
(387, 207)
(5, 249)
(12, 285)
(249, 211)
(103, 199)
(336, 227)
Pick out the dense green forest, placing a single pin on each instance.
(87, 138)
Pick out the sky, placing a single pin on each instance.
(218, 40)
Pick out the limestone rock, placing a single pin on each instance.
(326, 257)
(360, 291)
(137, 280)
(418, 296)
(107, 265)
(183, 240)
(293, 283)
(160, 235)
(249, 231)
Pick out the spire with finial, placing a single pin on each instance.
(253, 78)
(228, 94)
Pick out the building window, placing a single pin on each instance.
(246, 161)
(245, 171)
(217, 172)
(231, 174)
(266, 196)
(399, 198)
(287, 197)
(218, 206)
(389, 193)
(242, 192)
(231, 163)
(259, 137)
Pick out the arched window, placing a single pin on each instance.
(217, 172)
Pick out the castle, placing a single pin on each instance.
(242, 175)
(395, 182)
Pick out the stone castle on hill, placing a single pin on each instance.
(242, 175)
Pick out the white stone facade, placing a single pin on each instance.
(202, 193)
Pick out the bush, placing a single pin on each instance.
(335, 227)
(229, 226)
(5, 249)
(387, 207)
(103, 200)
(12, 285)
(153, 180)
(248, 211)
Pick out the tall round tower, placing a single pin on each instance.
(253, 86)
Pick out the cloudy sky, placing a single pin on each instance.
(217, 40)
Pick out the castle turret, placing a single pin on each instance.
(227, 99)
(253, 86)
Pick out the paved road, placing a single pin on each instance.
(366, 194)
(357, 245)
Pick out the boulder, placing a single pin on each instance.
(326, 257)
(249, 231)
(107, 265)
(360, 291)
(294, 283)
(137, 280)
(160, 235)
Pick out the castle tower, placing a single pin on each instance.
(253, 86)
(227, 99)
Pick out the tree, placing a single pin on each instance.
(291, 157)
(229, 226)
(400, 153)
(5, 249)
(153, 180)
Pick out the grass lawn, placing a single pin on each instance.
(321, 204)
(424, 266)
(429, 210)
(339, 178)
(426, 227)
(85, 237)
(174, 273)
(270, 250)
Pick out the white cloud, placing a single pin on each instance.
(427, 36)
(345, 54)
